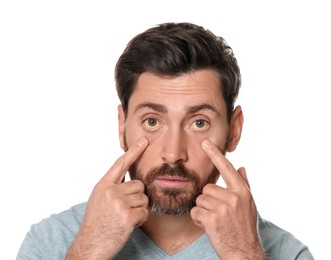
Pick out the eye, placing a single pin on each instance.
(151, 124)
(200, 125)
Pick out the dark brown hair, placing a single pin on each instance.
(173, 49)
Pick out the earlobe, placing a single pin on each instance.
(236, 125)
(121, 125)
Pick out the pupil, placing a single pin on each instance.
(152, 122)
(200, 123)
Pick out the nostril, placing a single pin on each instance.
(174, 158)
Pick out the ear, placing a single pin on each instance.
(236, 125)
(121, 125)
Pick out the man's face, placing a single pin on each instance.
(175, 114)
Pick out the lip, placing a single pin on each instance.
(171, 182)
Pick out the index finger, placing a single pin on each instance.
(227, 171)
(117, 172)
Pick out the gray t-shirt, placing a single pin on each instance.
(52, 237)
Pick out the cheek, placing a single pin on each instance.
(198, 160)
(148, 160)
(219, 136)
(133, 133)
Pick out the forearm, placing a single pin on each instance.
(84, 248)
(248, 252)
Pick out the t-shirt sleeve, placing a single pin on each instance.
(280, 244)
(51, 238)
(293, 248)
(42, 243)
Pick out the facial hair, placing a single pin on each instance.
(172, 201)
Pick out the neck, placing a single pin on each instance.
(171, 233)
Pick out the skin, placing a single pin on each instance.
(170, 120)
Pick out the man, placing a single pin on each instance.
(177, 84)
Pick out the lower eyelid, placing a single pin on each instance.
(147, 128)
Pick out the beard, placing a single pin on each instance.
(172, 201)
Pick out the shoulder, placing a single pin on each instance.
(51, 237)
(281, 244)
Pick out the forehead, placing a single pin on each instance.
(193, 88)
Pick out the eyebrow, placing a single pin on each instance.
(157, 107)
(162, 109)
(197, 108)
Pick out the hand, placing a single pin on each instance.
(228, 215)
(114, 209)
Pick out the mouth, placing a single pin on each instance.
(173, 182)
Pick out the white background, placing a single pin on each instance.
(58, 128)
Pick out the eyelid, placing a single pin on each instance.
(146, 116)
(204, 128)
(149, 128)
(199, 117)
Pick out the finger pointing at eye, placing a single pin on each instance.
(118, 170)
(225, 168)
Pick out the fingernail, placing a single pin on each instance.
(206, 144)
(142, 142)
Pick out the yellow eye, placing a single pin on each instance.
(151, 124)
(200, 125)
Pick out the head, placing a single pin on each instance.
(177, 84)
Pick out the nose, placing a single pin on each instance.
(174, 147)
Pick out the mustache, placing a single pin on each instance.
(177, 170)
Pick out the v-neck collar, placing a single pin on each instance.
(158, 252)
